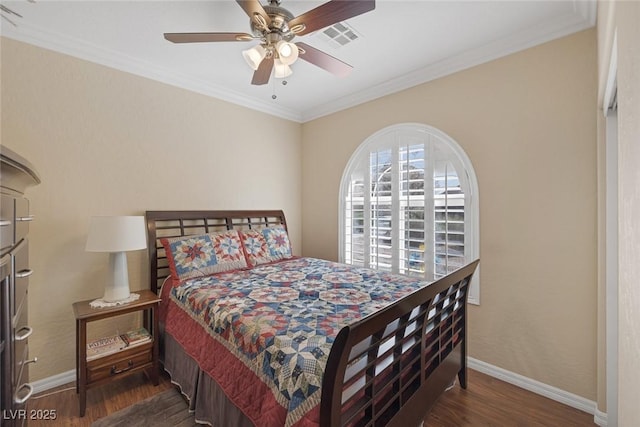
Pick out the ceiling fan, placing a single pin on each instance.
(275, 27)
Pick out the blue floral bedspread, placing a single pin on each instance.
(281, 319)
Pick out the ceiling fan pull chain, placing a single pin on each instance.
(273, 88)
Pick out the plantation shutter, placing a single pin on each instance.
(404, 207)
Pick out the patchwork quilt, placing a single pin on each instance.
(264, 334)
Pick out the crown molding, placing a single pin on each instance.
(584, 17)
(93, 53)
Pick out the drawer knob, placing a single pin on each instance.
(115, 371)
(4, 223)
(23, 333)
(24, 273)
(20, 400)
(25, 218)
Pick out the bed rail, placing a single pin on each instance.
(389, 368)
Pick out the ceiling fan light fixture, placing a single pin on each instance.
(287, 52)
(254, 56)
(281, 70)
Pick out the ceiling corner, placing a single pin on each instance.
(587, 10)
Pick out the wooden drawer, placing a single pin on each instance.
(22, 389)
(5, 333)
(20, 285)
(21, 366)
(22, 218)
(121, 363)
(7, 222)
(20, 339)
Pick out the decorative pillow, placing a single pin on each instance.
(266, 245)
(195, 256)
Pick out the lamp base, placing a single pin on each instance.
(117, 286)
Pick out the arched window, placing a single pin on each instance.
(409, 205)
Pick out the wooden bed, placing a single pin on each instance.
(386, 369)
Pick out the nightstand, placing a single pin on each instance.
(129, 360)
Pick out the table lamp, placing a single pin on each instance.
(116, 235)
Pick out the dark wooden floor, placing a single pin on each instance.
(486, 402)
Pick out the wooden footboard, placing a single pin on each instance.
(390, 368)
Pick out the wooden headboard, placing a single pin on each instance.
(161, 224)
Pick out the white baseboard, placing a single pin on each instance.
(54, 381)
(600, 418)
(553, 393)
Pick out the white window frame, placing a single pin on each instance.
(387, 138)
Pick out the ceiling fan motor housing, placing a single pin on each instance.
(280, 18)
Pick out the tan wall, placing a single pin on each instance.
(528, 124)
(110, 143)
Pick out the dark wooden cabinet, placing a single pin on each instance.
(16, 175)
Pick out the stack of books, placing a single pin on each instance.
(109, 345)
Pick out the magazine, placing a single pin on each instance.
(109, 345)
(136, 337)
(105, 346)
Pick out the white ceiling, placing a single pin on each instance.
(402, 44)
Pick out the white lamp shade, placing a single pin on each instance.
(116, 234)
(254, 56)
(287, 52)
(280, 70)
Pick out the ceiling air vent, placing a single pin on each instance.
(340, 34)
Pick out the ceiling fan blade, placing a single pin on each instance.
(251, 7)
(263, 73)
(324, 60)
(331, 12)
(207, 37)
